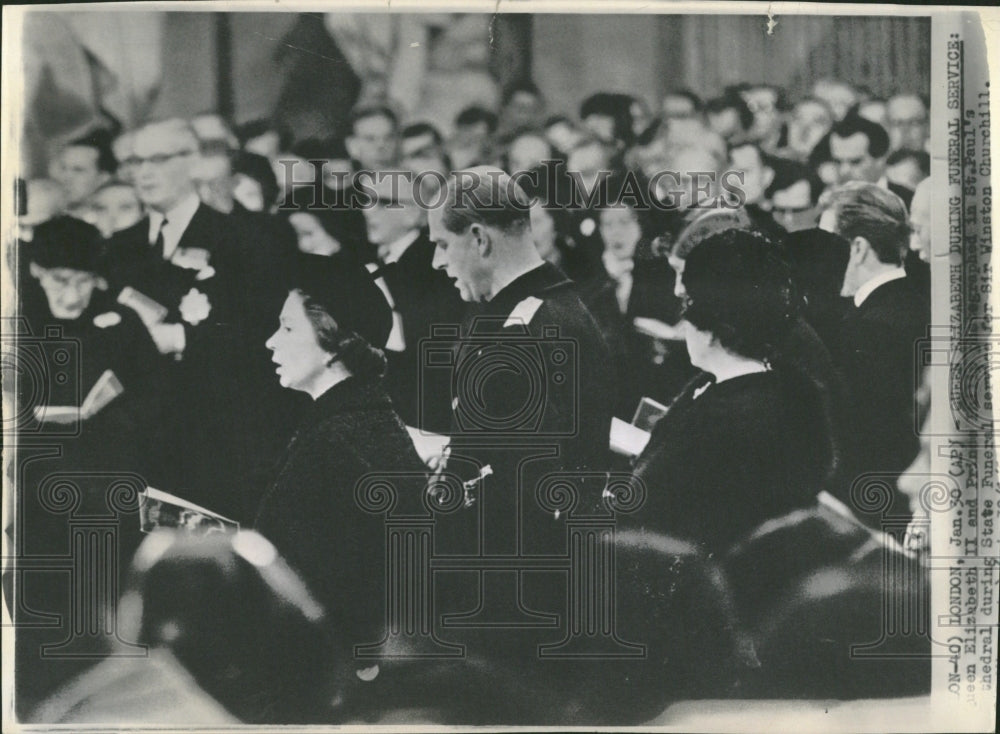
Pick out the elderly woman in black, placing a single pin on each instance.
(747, 439)
(324, 347)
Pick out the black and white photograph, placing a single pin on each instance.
(498, 364)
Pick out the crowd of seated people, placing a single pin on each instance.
(282, 324)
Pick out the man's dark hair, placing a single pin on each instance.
(921, 157)
(422, 128)
(475, 115)
(867, 210)
(98, 140)
(878, 138)
(260, 170)
(787, 173)
(520, 85)
(363, 112)
(731, 102)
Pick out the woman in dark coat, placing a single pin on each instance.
(748, 439)
(323, 347)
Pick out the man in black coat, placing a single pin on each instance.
(878, 337)
(216, 308)
(421, 297)
(532, 397)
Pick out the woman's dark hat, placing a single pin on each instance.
(345, 290)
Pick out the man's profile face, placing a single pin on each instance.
(374, 142)
(810, 122)
(68, 291)
(77, 172)
(115, 208)
(907, 123)
(854, 162)
(677, 107)
(839, 96)
(600, 126)
(458, 255)
(522, 110)
(756, 176)
(726, 123)
(163, 165)
(793, 207)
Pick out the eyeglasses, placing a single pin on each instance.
(157, 159)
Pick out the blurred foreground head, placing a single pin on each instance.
(238, 619)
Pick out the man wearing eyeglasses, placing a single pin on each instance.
(199, 265)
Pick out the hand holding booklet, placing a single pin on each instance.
(629, 439)
(159, 509)
(106, 389)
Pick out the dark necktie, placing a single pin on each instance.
(159, 248)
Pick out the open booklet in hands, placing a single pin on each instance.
(106, 389)
(629, 439)
(159, 509)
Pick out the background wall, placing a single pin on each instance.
(577, 55)
(141, 64)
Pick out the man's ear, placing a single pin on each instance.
(860, 247)
(483, 239)
(36, 271)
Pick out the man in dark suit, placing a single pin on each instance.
(216, 311)
(533, 392)
(877, 345)
(420, 297)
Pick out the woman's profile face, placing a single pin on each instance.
(312, 238)
(300, 360)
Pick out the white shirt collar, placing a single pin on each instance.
(881, 279)
(394, 250)
(178, 218)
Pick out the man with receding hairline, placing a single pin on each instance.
(533, 384)
(878, 339)
(194, 261)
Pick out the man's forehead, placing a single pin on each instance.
(852, 144)
(901, 105)
(162, 140)
(796, 192)
(416, 143)
(69, 274)
(373, 124)
(79, 153)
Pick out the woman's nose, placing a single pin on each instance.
(269, 344)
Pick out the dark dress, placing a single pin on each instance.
(722, 461)
(310, 512)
